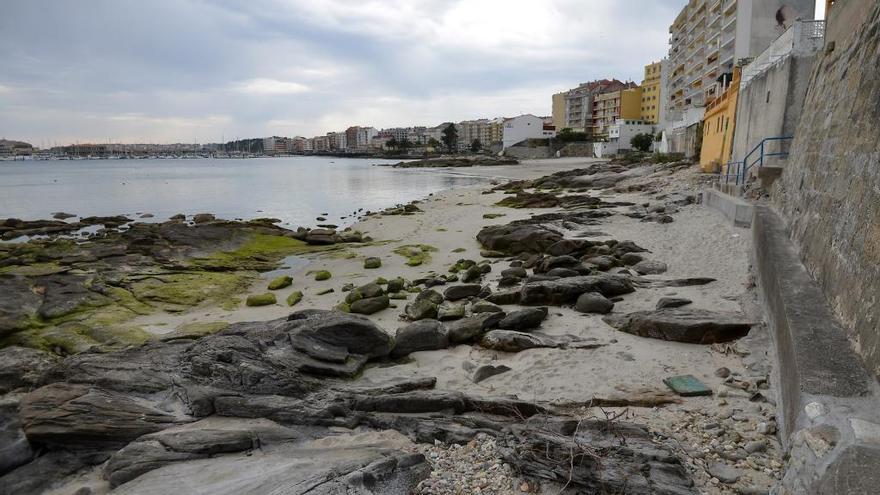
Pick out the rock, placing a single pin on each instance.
(567, 290)
(17, 304)
(430, 295)
(200, 218)
(60, 215)
(423, 335)
(469, 329)
(14, 447)
(630, 259)
(370, 305)
(603, 263)
(524, 319)
(396, 284)
(450, 311)
(198, 440)
(593, 302)
(261, 299)
(488, 371)
(485, 307)
(472, 273)
(294, 298)
(518, 238)
(724, 473)
(22, 368)
(755, 446)
(693, 326)
(515, 272)
(280, 282)
(511, 341)
(321, 237)
(180, 217)
(672, 302)
(343, 465)
(457, 292)
(562, 273)
(650, 267)
(722, 372)
(83, 416)
(504, 297)
(372, 263)
(353, 332)
(421, 309)
(322, 275)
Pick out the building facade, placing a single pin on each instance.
(523, 127)
(652, 93)
(719, 124)
(574, 108)
(611, 106)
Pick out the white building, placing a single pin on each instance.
(518, 129)
(622, 131)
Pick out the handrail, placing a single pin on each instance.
(741, 168)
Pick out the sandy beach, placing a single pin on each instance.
(618, 368)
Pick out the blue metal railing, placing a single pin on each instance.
(739, 170)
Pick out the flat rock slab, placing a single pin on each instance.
(692, 326)
(567, 290)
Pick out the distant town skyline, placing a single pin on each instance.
(186, 71)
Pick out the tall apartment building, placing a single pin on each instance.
(613, 105)
(474, 130)
(574, 108)
(652, 93)
(709, 37)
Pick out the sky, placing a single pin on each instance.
(168, 71)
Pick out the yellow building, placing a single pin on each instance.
(559, 110)
(718, 126)
(608, 107)
(651, 88)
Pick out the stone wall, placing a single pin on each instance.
(830, 189)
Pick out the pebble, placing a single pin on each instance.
(473, 468)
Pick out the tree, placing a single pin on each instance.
(433, 143)
(392, 143)
(568, 135)
(405, 144)
(450, 137)
(476, 145)
(642, 142)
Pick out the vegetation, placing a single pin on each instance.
(280, 282)
(416, 254)
(450, 137)
(476, 145)
(261, 299)
(642, 142)
(567, 135)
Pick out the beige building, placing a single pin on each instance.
(574, 108)
(609, 107)
(470, 130)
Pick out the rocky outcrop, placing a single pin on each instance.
(567, 290)
(693, 326)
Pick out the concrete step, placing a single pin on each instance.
(768, 175)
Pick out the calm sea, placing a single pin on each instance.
(294, 189)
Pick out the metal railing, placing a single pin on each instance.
(740, 170)
(802, 38)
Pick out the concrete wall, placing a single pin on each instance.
(770, 105)
(758, 22)
(830, 188)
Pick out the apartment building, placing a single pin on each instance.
(611, 106)
(471, 130)
(709, 37)
(574, 108)
(652, 92)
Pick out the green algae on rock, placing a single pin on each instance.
(322, 275)
(372, 263)
(261, 299)
(280, 282)
(294, 298)
(415, 254)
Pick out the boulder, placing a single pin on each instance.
(488, 371)
(14, 447)
(471, 328)
(593, 302)
(630, 259)
(372, 263)
(370, 305)
(485, 307)
(504, 297)
(266, 299)
(524, 319)
(457, 292)
(200, 218)
(672, 302)
(423, 335)
(562, 273)
(693, 326)
(294, 298)
(83, 416)
(22, 367)
(357, 334)
(603, 263)
(518, 238)
(449, 311)
(650, 267)
(321, 237)
(396, 284)
(430, 295)
(322, 275)
(421, 309)
(511, 341)
(567, 290)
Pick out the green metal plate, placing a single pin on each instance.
(687, 386)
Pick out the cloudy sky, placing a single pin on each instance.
(197, 70)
